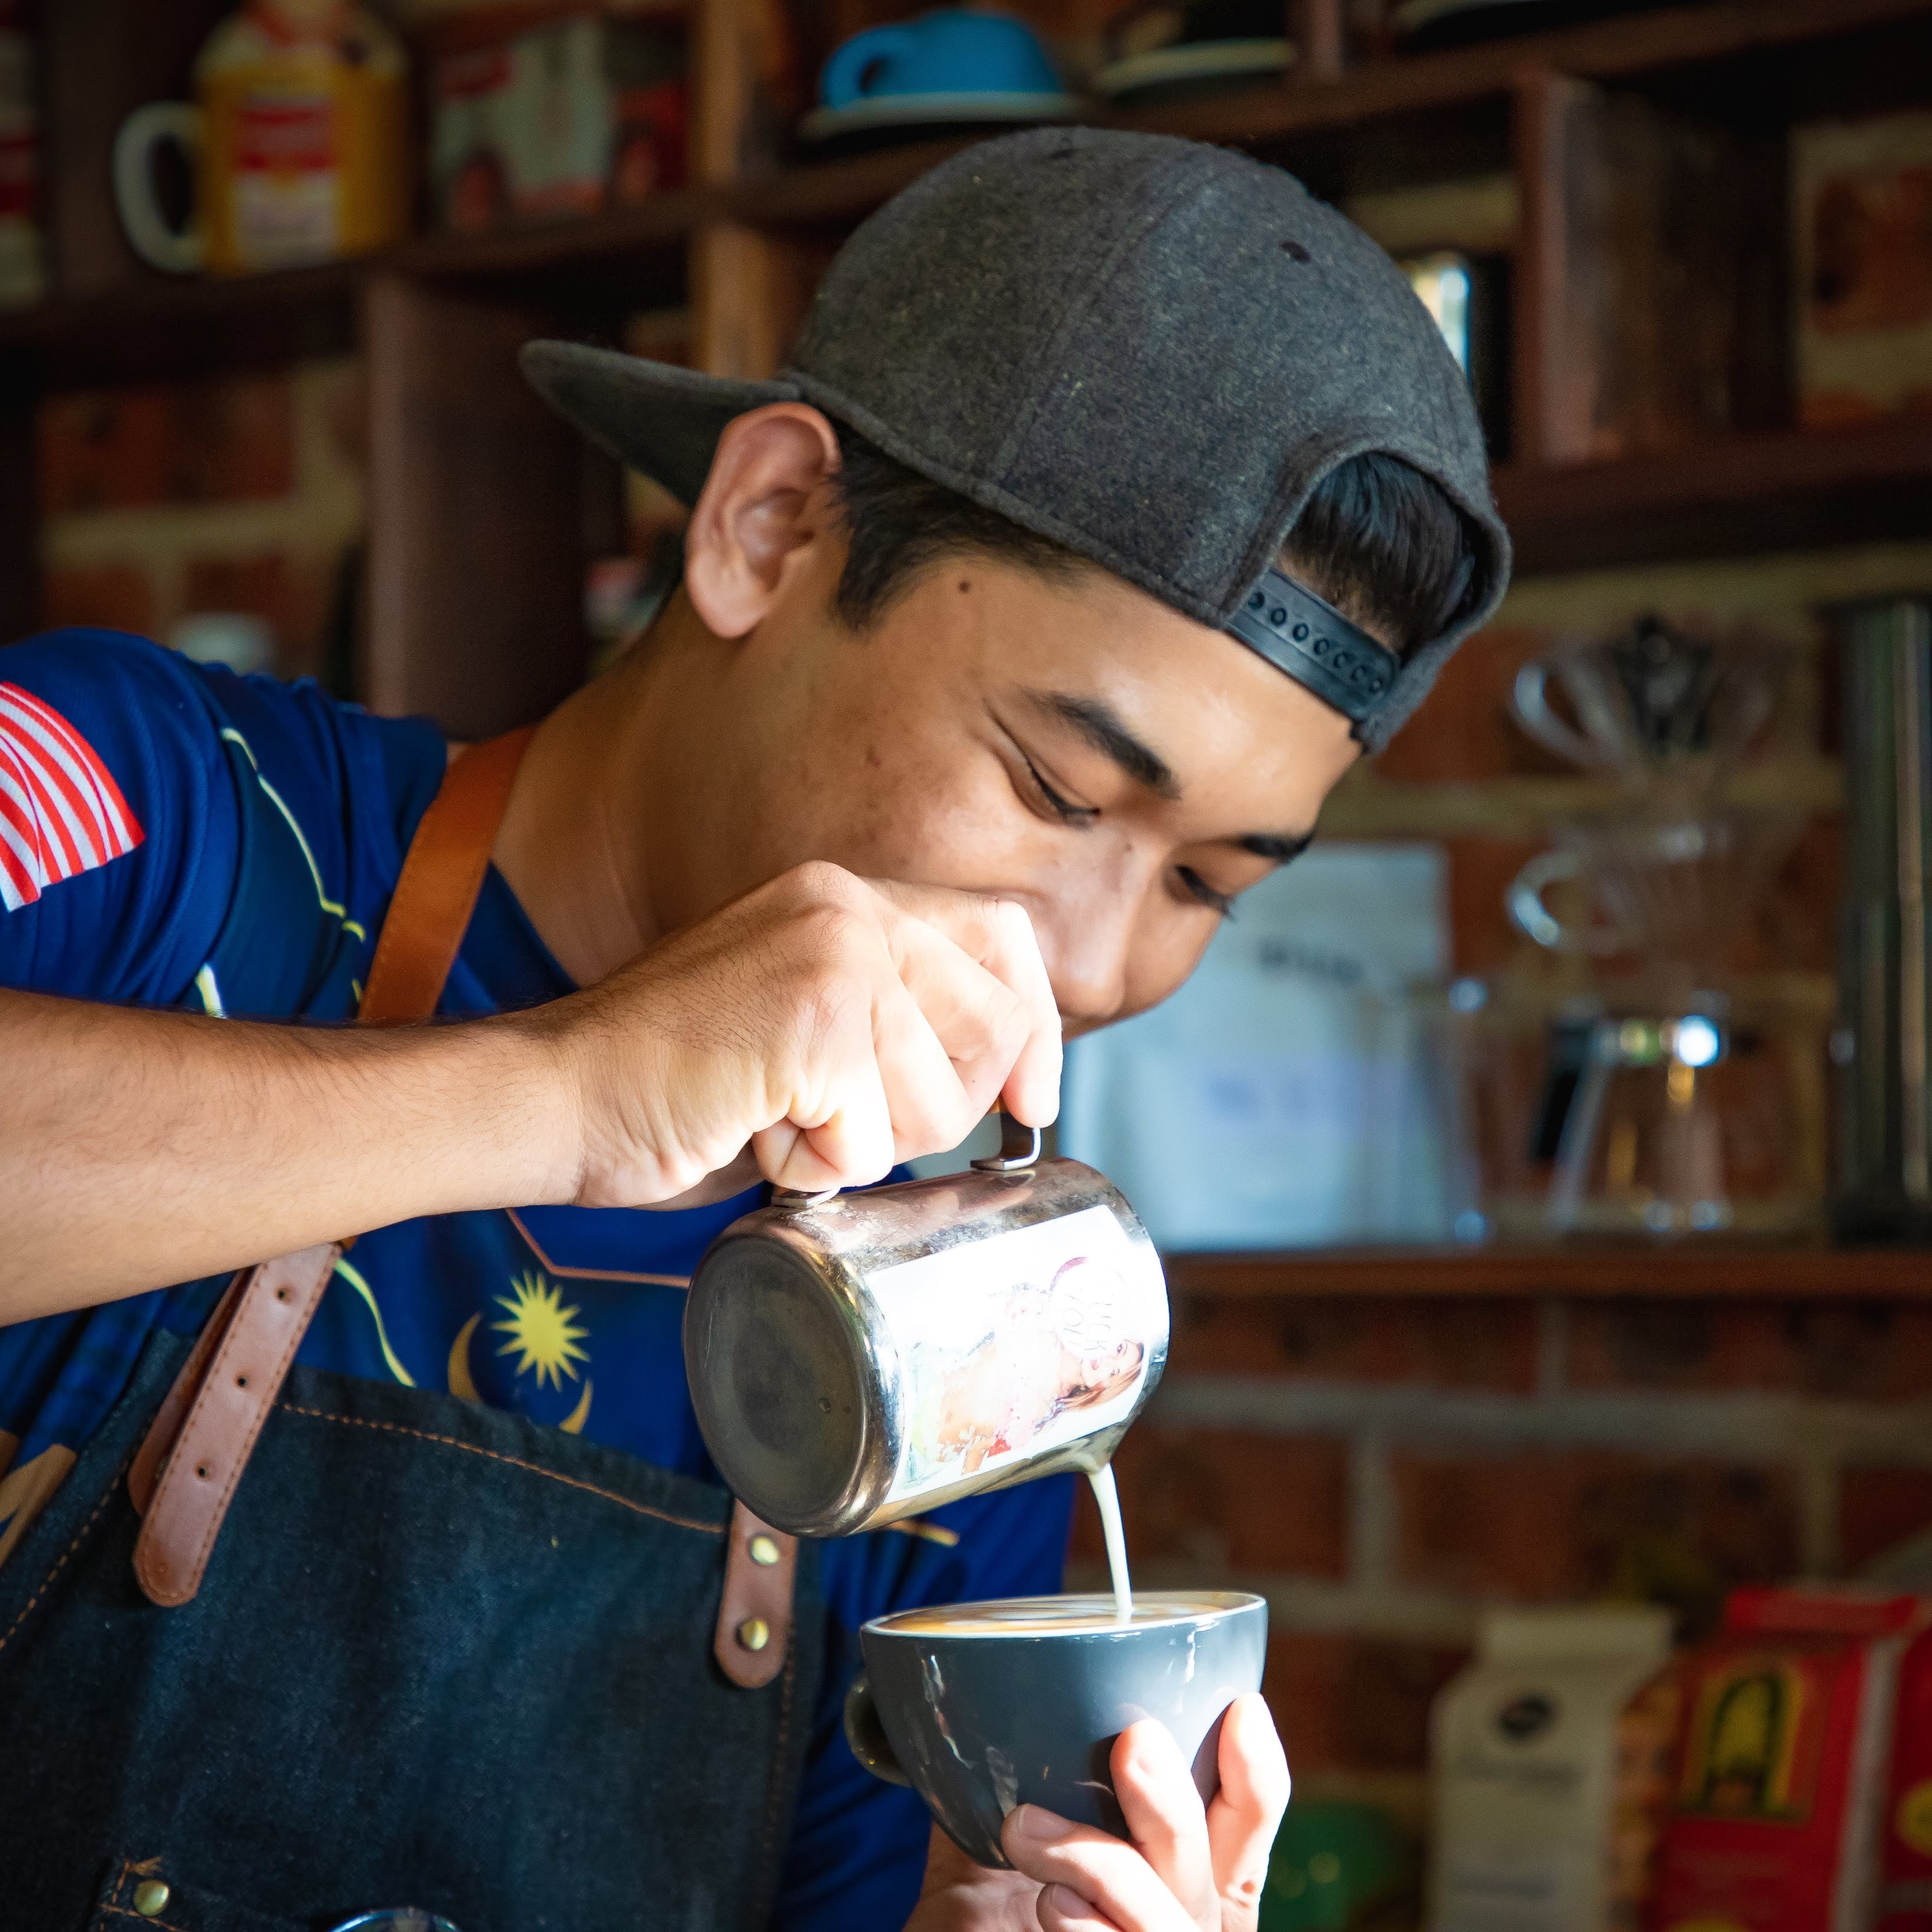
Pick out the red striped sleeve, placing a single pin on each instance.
(61, 812)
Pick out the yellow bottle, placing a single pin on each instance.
(305, 135)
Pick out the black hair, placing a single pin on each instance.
(1378, 539)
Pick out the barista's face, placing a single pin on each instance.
(1122, 772)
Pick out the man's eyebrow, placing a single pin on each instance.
(1103, 727)
(1277, 846)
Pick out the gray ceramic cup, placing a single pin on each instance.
(980, 1709)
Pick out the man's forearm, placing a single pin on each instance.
(138, 1148)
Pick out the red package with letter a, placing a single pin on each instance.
(1905, 1886)
(1782, 1771)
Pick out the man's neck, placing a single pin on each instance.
(573, 845)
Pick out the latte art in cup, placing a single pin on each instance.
(1061, 1616)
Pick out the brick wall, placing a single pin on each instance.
(237, 494)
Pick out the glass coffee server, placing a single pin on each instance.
(1663, 1092)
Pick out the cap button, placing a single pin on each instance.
(754, 1633)
(151, 1896)
(763, 1551)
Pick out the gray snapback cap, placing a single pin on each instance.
(1149, 350)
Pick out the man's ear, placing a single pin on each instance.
(763, 508)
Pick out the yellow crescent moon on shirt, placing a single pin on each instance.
(461, 1384)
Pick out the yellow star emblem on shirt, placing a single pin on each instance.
(543, 1333)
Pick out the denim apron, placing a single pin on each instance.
(441, 1657)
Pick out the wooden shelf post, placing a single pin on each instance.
(1315, 26)
(1554, 381)
(480, 499)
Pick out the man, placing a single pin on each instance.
(1000, 668)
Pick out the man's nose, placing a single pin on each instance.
(1086, 945)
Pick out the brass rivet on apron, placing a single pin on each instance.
(150, 1896)
(764, 1552)
(754, 1633)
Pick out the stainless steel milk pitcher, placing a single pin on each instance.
(855, 1358)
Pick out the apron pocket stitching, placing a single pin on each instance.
(80, 1536)
(515, 1462)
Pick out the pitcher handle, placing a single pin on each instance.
(1019, 1147)
(1529, 704)
(867, 1735)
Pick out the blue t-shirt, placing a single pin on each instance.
(174, 835)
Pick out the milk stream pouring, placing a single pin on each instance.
(857, 1358)
(1107, 1496)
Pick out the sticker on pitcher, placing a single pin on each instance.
(1013, 1346)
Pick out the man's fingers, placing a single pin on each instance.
(979, 1020)
(1242, 1819)
(1117, 1884)
(1163, 1811)
(1060, 1909)
(959, 1896)
(930, 1104)
(998, 936)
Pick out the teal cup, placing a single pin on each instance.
(983, 1707)
(950, 52)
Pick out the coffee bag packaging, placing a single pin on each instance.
(1548, 1756)
(1783, 1768)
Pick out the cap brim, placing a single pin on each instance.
(653, 417)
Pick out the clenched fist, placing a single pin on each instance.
(834, 1026)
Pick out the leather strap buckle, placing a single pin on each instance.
(217, 1413)
(753, 1630)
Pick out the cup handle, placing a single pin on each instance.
(179, 251)
(1527, 911)
(867, 1735)
(1529, 703)
(1532, 918)
(845, 77)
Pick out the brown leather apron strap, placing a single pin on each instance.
(183, 1475)
(443, 872)
(225, 1416)
(754, 1614)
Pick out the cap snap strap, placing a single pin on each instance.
(1307, 637)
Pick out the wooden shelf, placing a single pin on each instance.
(1720, 1271)
(157, 327)
(1611, 50)
(1794, 489)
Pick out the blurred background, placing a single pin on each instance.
(1544, 1160)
